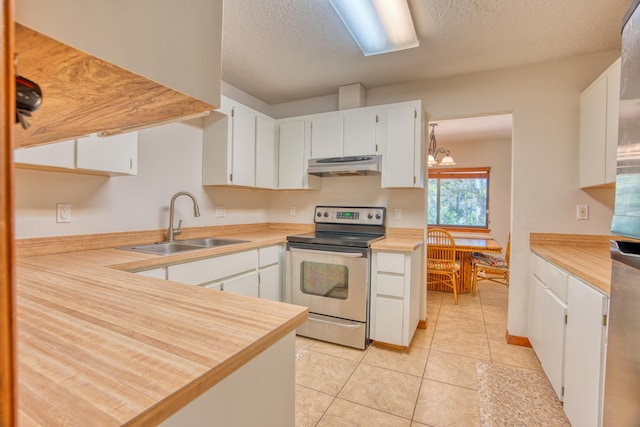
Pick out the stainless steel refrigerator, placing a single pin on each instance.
(622, 373)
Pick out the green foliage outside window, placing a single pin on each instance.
(461, 202)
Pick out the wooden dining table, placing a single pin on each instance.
(466, 243)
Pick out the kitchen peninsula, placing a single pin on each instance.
(100, 345)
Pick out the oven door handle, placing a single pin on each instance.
(318, 252)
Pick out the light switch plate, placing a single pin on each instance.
(582, 212)
(220, 211)
(292, 211)
(397, 213)
(63, 212)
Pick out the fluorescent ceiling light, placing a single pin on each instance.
(378, 26)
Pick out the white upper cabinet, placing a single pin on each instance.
(230, 146)
(326, 136)
(243, 146)
(344, 133)
(599, 107)
(293, 155)
(402, 159)
(117, 154)
(112, 155)
(266, 153)
(360, 132)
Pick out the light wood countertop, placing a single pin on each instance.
(101, 346)
(585, 256)
(98, 345)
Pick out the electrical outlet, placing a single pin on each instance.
(397, 213)
(582, 212)
(220, 212)
(292, 211)
(63, 212)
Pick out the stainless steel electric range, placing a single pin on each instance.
(329, 272)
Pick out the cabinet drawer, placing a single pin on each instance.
(212, 269)
(557, 281)
(539, 268)
(390, 285)
(390, 262)
(268, 256)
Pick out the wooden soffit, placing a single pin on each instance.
(82, 94)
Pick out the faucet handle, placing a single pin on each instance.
(178, 231)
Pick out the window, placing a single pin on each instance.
(459, 197)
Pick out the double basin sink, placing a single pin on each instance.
(168, 248)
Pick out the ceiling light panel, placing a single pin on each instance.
(378, 26)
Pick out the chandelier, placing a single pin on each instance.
(447, 160)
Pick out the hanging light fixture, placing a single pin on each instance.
(447, 160)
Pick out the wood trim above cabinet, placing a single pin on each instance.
(83, 94)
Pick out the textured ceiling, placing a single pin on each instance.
(286, 50)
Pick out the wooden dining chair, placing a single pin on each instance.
(490, 267)
(441, 260)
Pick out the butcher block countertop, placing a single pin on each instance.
(98, 345)
(585, 256)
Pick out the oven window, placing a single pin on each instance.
(325, 280)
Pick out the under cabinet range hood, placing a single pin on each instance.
(345, 166)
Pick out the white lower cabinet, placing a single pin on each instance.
(255, 273)
(567, 329)
(585, 354)
(395, 296)
(269, 262)
(246, 284)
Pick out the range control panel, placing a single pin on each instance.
(350, 215)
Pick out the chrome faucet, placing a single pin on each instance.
(196, 212)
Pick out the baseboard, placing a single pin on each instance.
(422, 324)
(516, 340)
(390, 346)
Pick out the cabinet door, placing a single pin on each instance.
(326, 136)
(59, 155)
(270, 283)
(388, 321)
(213, 269)
(244, 285)
(291, 166)
(243, 147)
(553, 328)
(536, 298)
(266, 151)
(360, 132)
(114, 154)
(400, 148)
(584, 356)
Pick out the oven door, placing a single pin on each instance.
(330, 280)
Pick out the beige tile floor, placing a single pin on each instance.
(434, 383)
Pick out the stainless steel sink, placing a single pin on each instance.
(167, 248)
(163, 248)
(212, 242)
